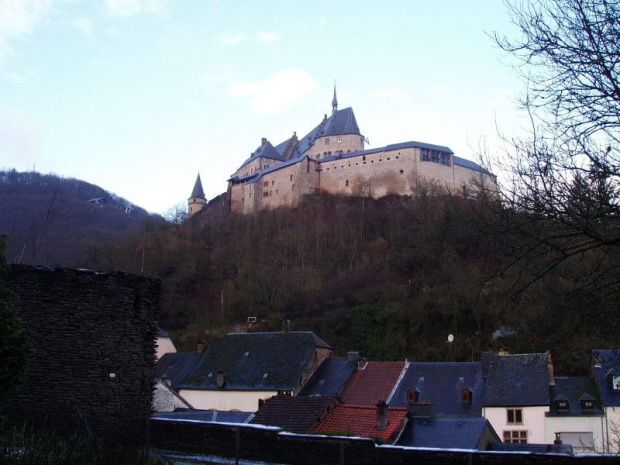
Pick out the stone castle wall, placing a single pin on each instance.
(332, 145)
(94, 351)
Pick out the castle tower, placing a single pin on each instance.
(197, 199)
(334, 101)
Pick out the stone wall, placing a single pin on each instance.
(272, 445)
(332, 145)
(94, 351)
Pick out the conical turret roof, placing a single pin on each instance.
(198, 192)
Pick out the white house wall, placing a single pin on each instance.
(573, 424)
(244, 401)
(533, 422)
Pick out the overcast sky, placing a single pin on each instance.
(137, 96)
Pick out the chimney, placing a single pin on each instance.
(550, 368)
(263, 141)
(382, 415)
(502, 351)
(200, 347)
(220, 379)
(287, 326)
(557, 439)
(353, 356)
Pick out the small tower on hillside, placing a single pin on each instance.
(197, 199)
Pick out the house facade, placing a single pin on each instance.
(606, 371)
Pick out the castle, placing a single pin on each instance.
(332, 159)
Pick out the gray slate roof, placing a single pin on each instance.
(329, 378)
(206, 416)
(197, 192)
(455, 433)
(441, 384)
(255, 361)
(176, 366)
(574, 389)
(519, 380)
(607, 364)
(296, 414)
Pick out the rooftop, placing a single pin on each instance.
(372, 383)
(329, 378)
(448, 433)
(296, 414)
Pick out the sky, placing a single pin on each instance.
(138, 96)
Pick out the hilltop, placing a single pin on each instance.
(51, 220)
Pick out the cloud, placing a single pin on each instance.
(268, 37)
(231, 39)
(390, 93)
(84, 25)
(276, 93)
(129, 8)
(18, 18)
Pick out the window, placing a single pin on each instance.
(363, 157)
(327, 141)
(413, 395)
(272, 183)
(265, 194)
(401, 171)
(515, 437)
(515, 416)
(466, 396)
(346, 183)
(587, 405)
(339, 140)
(291, 178)
(266, 183)
(561, 406)
(445, 159)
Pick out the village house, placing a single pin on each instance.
(332, 158)
(242, 370)
(606, 371)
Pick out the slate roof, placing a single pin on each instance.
(197, 192)
(520, 380)
(329, 378)
(441, 384)
(606, 363)
(574, 389)
(255, 361)
(444, 433)
(532, 448)
(176, 366)
(372, 384)
(356, 420)
(296, 414)
(267, 150)
(204, 416)
(161, 332)
(339, 123)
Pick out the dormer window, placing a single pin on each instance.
(413, 396)
(466, 396)
(587, 405)
(561, 406)
(339, 140)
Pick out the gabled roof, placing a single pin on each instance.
(204, 416)
(361, 421)
(574, 389)
(449, 433)
(197, 191)
(339, 123)
(266, 150)
(296, 414)
(329, 378)
(606, 365)
(520, 380)
(441, 384)
(176, 366)
(373, 383)
(255, 361)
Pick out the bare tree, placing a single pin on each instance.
(560, 196)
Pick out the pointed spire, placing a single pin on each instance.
(334, 101)
(198, 192)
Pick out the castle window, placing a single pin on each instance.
(346, 183)
(380, 159)
(272, 183)
(363, 157)
(293, 187)
(401, 171)
(265, 194)
(362, 140)
(266, 183)
(339, 140)
(291, 178)
(388, 159)
(327, 141)
(445, 159)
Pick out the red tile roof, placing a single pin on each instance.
(372, 384)
(357, 420)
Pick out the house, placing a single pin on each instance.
(330, 377)
(575, 414)
(163, 344)
(372, 382)
(381, 423)
(606, 371)
(516, 396)
(170, 370)
(332, 158)
(242, 370)
(449, 388)
(295, 414)
(449, 433)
